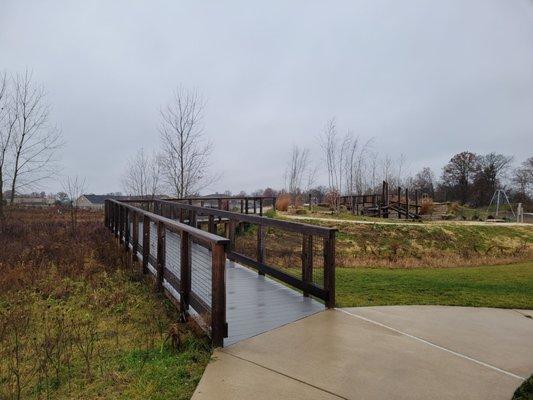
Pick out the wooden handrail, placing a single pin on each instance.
(255, 219)
(117, 219)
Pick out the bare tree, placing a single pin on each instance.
(356, 154)
(35, 141)
(74, 187)
(8, 119)
(296, 167)
(523, 177)
(336, 152)
(143, 175)
(185, 152)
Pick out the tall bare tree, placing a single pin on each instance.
(142, 176)
(297, 165)
(356, 159)
(35, 141)
(8, 119)
(185, 150)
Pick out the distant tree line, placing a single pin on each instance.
(352, 166)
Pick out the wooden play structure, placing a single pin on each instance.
(385, 204)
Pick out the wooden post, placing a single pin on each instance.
(329, 269)
(310, 199)
(135, 244)
(126, 229)
(416, 203)
(386, 186)
(353, 205)
(120, 223)
(161, 249)
(261, 206)
(399, 202)
(406, 203)
(255, 205)
(146, 243)
(242, 206)
(274, 199)
(261, 245)
(212, 227)
(218, 295)
(185, 273)
(231, 234)
(307, 260)
(220, 204)
(246, 201)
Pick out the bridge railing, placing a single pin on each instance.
(188, 264)
(300, 255)
(242, 204)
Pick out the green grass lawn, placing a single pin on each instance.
(505, 286)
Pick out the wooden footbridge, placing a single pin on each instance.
(236, 274)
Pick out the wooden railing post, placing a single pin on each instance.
(261, 206)
(116, 217)
(329, 269)
(218, 295)
(120, 223)
(307, 260)
(246, 205)
(274, 199)
(212, 227)
(406, 203)
(135, 244)
(146, 243)
(126, 229)
(106, 214)
(255, 205)
(261, 231)
(231, 234)
(242, 206)
(416, 203)
(161, 250)
(185, 274)
(399, 202)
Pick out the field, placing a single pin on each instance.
(361, 242)
(505, 286)
(76, 324)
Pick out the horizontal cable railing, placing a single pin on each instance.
(188, 264)
(300, 255)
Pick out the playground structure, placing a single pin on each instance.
(384, 204)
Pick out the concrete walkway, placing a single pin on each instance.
(402, 352)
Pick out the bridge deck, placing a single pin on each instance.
(254, 303)
(257, 304)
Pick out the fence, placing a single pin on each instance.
(242, 204)
(188, 264)
(300, 255)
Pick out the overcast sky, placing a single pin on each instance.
(423, 78)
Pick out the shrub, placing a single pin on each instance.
(427, 206)
(282, 202)
(332, 199)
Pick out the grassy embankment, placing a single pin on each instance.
(74, 323)
(432, 263)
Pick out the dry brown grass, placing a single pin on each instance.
(76, 322)
(282, 202)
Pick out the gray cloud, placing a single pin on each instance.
(426, 79)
